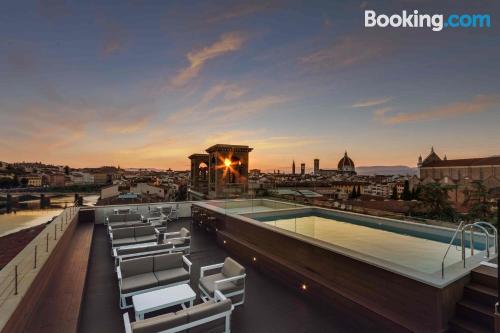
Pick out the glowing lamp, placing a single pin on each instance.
(304, 287)
(227, 163)
(254, 259)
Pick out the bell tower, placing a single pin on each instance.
(228, 170)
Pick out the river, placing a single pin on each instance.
(29, 214)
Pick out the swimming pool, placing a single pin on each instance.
(417, 248)
(400, 248)
(387, 268)
(247, 206)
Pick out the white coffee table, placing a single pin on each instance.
(162, 298)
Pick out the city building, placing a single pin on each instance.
(149, 190)
(460, 174)
(101, 178)
(345, 167)
(226, 175)
(293, 167)
(199, 174)
(57, 180)
(316, 166)
(302, 169)
(34, 180)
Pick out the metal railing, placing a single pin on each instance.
(491, 227)
(17, 275)
(449, 246)
(481, 225)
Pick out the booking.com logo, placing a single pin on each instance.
(436, 21)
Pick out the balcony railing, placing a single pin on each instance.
(16, 277)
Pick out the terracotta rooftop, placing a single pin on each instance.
(493, 160)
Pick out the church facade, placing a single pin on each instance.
(460, 174)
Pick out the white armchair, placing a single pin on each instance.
(230, 281)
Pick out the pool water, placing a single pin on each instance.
(247, 210)
(420, 254)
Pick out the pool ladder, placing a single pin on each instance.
(483, 227)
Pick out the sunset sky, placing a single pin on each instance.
(147, 83)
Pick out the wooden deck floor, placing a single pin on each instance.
(60, 306)
(269, 306)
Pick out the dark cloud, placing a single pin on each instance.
(115, 36)
(54, 9)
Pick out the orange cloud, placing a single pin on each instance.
(226, 91)
(478, 104)
(227, 43)
(114, 36)
(244, 108)
(351, 50)
(371, 102)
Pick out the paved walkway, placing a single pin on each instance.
(269, 306)
(60, 306)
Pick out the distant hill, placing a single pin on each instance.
(386, 170)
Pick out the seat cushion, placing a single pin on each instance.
(231, 269)
(167, 261)
(208, 309)
(136, 266)
(136, 250)
(170, 276)
(205, 310)
(184, 232)
(177, 242)
(133, 217)
(145, 239)
(122, 232)
(115, 218)
(208, 283)
(119, 225)
(123, 241)
(139, 282)
(144, 231)
(159, 323)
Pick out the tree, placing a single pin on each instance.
(477, 198)
(416, 196)
(66, 170)
(15, 181)
(358, 194)
(406, 195)
(5, 182)
(413, 194)
(480, 211)
(394, 195)
(477, 194)
(434, 197)
(24, 182)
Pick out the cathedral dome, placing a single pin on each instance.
(346, 164)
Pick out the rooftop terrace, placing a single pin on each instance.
(269, 306)
(70, 284)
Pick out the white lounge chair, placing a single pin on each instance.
(230, 281)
